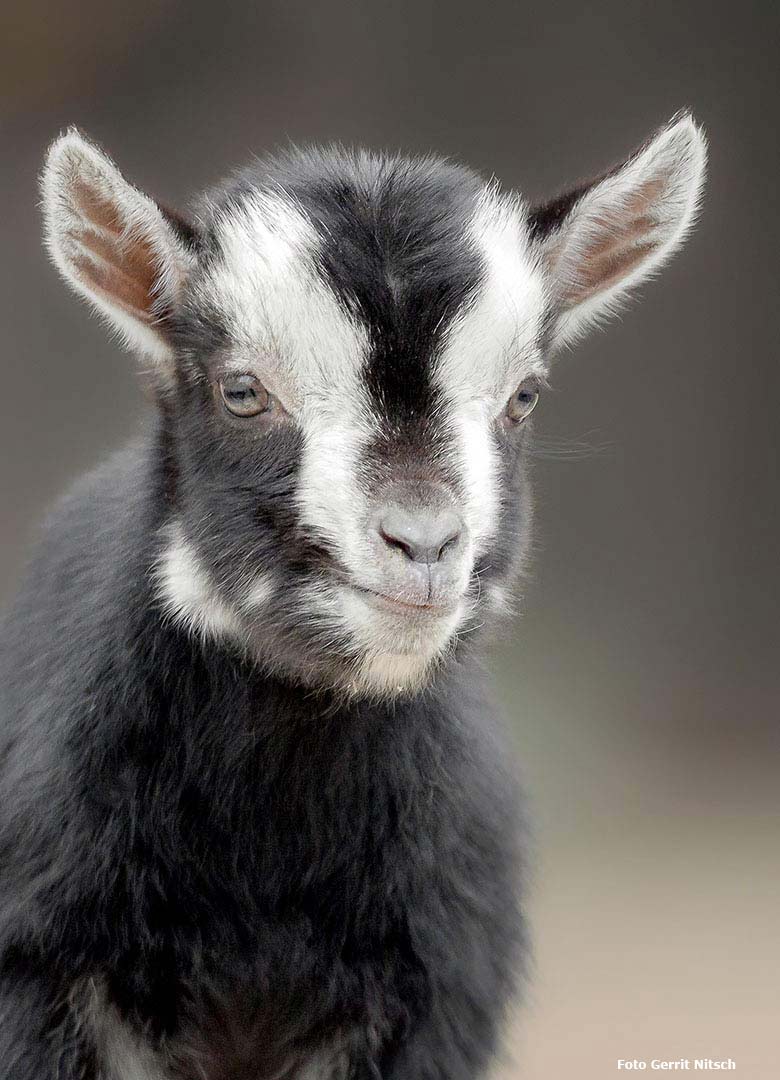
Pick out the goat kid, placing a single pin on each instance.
(256, 815)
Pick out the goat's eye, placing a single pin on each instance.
(523, 402)
(244, 395)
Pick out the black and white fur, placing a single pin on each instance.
(256, 815)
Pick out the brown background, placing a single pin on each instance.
(644, 675)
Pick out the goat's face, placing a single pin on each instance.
(349, 349)
(350, 339)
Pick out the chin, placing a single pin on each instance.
(399, 644)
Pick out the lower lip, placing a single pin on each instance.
(404, 607)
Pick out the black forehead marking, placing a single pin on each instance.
(396, 249)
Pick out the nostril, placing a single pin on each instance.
(449, 542)
(396, 542)
(422, 535)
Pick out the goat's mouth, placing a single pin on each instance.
(406, 605)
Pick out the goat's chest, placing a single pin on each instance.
(312, 1015)
(302, 995)
(242, 1052)
(284, 940)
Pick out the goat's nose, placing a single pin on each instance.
(423, 535)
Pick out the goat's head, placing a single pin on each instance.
(347, 349)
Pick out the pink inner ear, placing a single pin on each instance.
(621, 240)
(608, 269)
(120, 266)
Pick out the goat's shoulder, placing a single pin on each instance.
(82, 566)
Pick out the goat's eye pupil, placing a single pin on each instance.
(244, 395)
(523, 402)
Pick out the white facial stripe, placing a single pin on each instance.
(282, 318)
(331, 503)
(492, 344)
(489, 350)
(475, 462)
(290, 327)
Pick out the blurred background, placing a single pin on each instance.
(643, 678)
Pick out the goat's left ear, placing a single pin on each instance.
(113, 244)
(600, 240)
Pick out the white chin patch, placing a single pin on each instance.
(390, 674)
(397, 651)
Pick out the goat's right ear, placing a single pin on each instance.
(114, 245)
